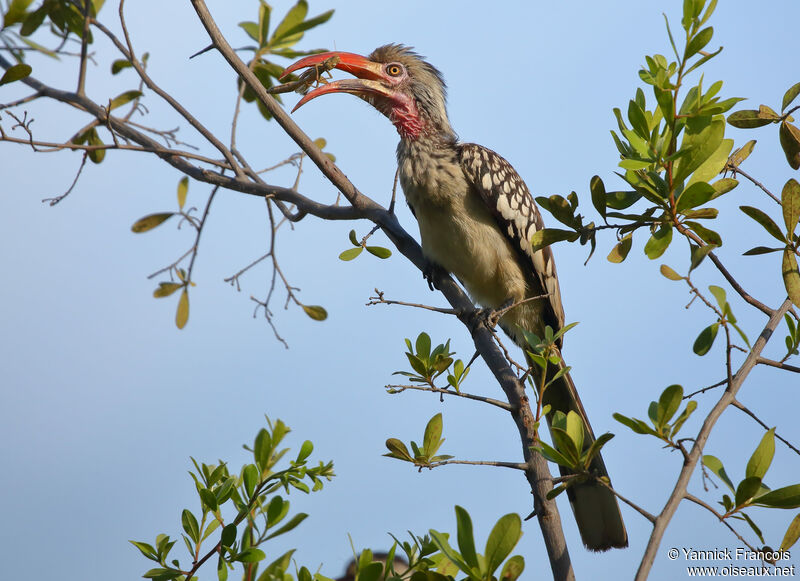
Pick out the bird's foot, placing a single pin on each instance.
(490, 317)
(431, 272)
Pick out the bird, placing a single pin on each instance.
(476, 218)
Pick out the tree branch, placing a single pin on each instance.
(727, 398)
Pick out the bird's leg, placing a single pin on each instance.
(431, 271)
(490, 316)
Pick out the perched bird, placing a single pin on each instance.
(476, 218)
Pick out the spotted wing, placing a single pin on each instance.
(509, 199)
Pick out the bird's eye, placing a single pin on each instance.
(394, 69)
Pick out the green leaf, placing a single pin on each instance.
(659, 241)
(433, 434)
(190, 525)
(621, 249)
(350, 253)
(502, 540)
(166, 288)
(715, 465)
(228, 536)
(790, 202)
(16, 12)
(786, 497)
(208, 499)
(316, 312)
(379, 251)
(719, 294)
(723, 186)
(151, 221)
(353, 240)
(513, 568)
(294, 16)
(124, 98)
(698, 42)
(638, 426)
(161, 573)
(790, 142)
(622, 200)
(690, 407)
(700, 141)
(707, 235)
(440, 540)
(15, 73)
(638, 120)
(398, 450)
(669, 273)
(310, 23)
(146, 550)
(251, 555)
(793, 532)
(791, 276)
(762, 457)
(747, 119)
(790, 96)
(547, 236)
(668, 404)
(575, 429)
(753, 526)
(292, 524)
(598, 191)
(595, 448)
(762, 218)
(705, 339)
(466, 539)
(183, 189)
(264, 13)
(698, 254)
(695, 195)
(182, 314)
(760, 250)
(423, 346)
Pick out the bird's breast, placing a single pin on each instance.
(458, 232)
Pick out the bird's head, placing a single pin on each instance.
(393, 79)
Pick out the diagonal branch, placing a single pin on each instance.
(691, 460)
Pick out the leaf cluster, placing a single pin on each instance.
(752, 492)
(358, 247)
(661, 414)
(670, 150)
(260, 514)
(423, 456)
(569, 450)
(280, 42)
(428, 364)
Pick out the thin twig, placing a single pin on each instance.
(778, 364)
(740, 406)
(495, 402)
(57, 199)
(697, 501)
(379, 300)
(737, 170)
(633, 505)
(514, 465)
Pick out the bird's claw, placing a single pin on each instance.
(431, 272)
(488, 316)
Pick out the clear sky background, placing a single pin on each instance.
(103, 400)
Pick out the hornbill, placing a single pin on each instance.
(476, 219)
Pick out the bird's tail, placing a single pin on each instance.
(595, 506)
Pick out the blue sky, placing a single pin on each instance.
(103, 400)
